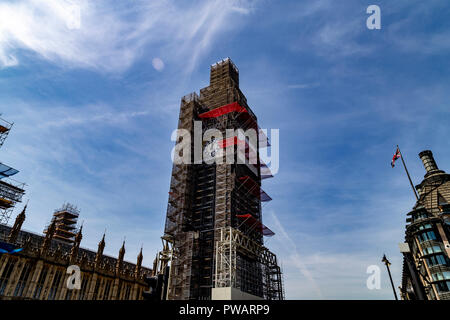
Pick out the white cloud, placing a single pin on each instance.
(158, 64)
(303, 85)
(8, 60)
(294, 256)
(110, 36)
(68, 118)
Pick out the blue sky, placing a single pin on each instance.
(94, 109)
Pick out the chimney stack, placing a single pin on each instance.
(428, 161)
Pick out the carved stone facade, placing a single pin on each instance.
(39, 270)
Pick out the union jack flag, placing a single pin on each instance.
(395, 157)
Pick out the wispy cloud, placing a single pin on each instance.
(294, 257)
(111, 35)
(100, 137)
(303, 85)
(110, 118)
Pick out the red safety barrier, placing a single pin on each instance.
(220, 111)
(230, 142)
(255, 223)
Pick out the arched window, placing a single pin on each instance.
(55, 285)
(23, 279)
(6, 275)
(40, 283)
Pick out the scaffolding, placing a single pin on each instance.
(178, 219)
(5, 128)
(233, 246)
(207, 201)
(11, 192)
(65, 223)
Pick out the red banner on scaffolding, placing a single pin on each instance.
(230, 142)
(220, 111)
(255, 223)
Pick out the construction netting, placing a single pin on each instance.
(7, 171)
(265, 170)
(252, 222)
(254, 188)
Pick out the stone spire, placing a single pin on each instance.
(139, 263)
(120, 258)
(13, 234)
(79, 236)
(155, 262)
(99, 255)
(48, 237)
(76, 245)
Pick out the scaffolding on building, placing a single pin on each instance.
(178, 219)
(65, 223)
(5, 128)
(234, 245)
(11, 191)
(208, 202)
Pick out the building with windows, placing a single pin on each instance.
(426, 251)
(35, 267)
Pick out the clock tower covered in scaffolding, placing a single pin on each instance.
(214, 218)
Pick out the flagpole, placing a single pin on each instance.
(407, 173)
(387, 263)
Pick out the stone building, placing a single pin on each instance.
(39, 270)
(426, 264)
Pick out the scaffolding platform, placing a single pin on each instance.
(5, 128)
(7, 171)
(265, 277)
(11, 192)
(65, 222)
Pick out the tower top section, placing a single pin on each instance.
(66, 220)
(429, 163)
(223, 70)
(433, 174)
(225, 61)
(68, 209)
